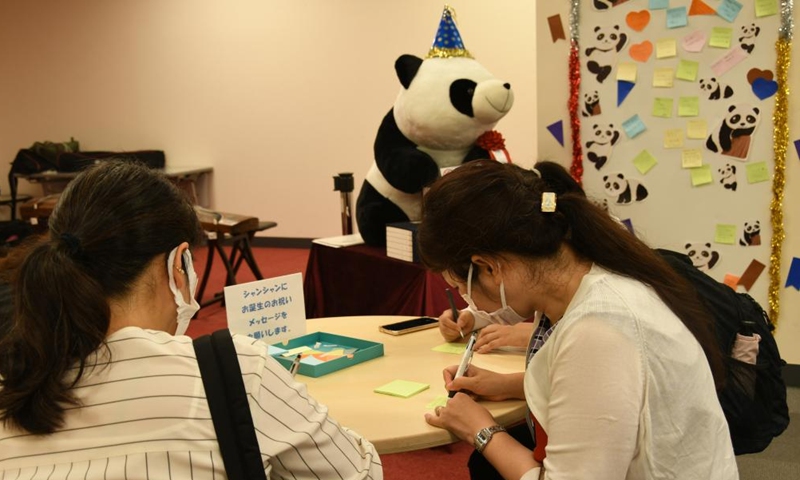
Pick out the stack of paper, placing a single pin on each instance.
(340, 241)
(401, 239)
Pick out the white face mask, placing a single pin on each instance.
(185, 310)
(504, 316)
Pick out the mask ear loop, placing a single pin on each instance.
(469, 281)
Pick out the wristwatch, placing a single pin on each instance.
(486, 434)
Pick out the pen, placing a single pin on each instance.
(462, 367)
(453, 308)
(295, 364)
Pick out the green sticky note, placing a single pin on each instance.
(765, 8)
(456, 348)
(662, 107)
(757, 172)
(688, 106)
(720, 37)
(644, 161)
(440, 401)
(687, 70)
(701, 175)
(402, 388)
(725, 234)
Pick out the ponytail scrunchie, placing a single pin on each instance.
(72, 243)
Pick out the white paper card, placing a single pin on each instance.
(272, 310)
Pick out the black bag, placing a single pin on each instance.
(754, 396)
(227, 400)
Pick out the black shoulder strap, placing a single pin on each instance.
(227, 400)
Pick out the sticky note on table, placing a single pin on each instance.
(662, 107)
(725, 234)
(765, 8)
(440, 401)
(677, 17)
(757, 172)
(455, 348)
(720, 37)
(751, 274)
(663, 77)
(696, 129)
(659, 4)
(402, 388)
(293, 352)
(644, 161)
(701, 175)
(687, 70)
(633, 126)
(694, 42)
(673, 138)
(666, 48)
(688, 106)
(692, 158)
(729, 10)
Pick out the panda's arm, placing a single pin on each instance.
(402, 164)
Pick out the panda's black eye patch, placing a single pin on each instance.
(736, 118)
(461, 93)
(705, 254)
(613, 36)
(751, 119)
(691, 253)
(601, 36)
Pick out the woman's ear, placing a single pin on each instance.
(489, 265)
(178, 268)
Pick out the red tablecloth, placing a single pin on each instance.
(362, 280)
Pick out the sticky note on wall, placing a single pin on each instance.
(725, 234)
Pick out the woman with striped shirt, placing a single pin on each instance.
(96, 377)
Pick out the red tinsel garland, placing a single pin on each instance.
(576, 169)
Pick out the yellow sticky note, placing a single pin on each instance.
(701, 175)
(687, 70)
(644, 161)
(688, 107)
(663, 77)
(626, 71)
(720, 37)
(662, 107)
(402, 388)
(666, 48)
(697, 129)
(766, 8)
(725, 234)
(456, 348)
(293, 352)
(692, 158)
(440, 401)
(757, 172)
(673, 138)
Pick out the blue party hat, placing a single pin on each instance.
(447, 42)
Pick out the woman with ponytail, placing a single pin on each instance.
(622, 383)
(97, 379)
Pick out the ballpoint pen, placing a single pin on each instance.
(295, 364)
(453, 308)
(465, 360)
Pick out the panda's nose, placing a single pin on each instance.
(507, 85)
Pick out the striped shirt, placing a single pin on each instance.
(143, 414)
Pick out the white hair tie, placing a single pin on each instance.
(537, 172)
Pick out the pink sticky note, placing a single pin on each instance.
(728, 61)
(694, 42)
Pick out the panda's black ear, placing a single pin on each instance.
(755, 109)
(597, 28)
(687, 246)
(406, 67)
(708, 245)
(605, 177)
(732, 108)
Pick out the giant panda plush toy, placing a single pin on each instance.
(442, 117)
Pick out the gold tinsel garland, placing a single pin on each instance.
(780, 120)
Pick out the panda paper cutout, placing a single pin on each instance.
(703, 257)
(591, 104)
(605, 45)
(623, 191)
(601, 142)
(602, 5)
(715, 90)
(751, 234)
(728, 177)
(733, 135)
(747, 38)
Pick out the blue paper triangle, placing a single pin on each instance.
(557, 129)
(623, 89)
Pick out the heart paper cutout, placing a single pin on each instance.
(638, 20)
(755, 73)
(764, 88)
(641, 51)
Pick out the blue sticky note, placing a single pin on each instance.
(557, 130)
(623, 89)
(677, 17)
(797, 147)
(793, 280)
(629, 225)
(659, 4)
(633, 126)
(729, 10)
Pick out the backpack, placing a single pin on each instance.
(753, 397)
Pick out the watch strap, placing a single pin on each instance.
(485, 435)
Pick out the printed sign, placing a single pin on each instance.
(272, 310)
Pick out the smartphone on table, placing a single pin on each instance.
(408, 326)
